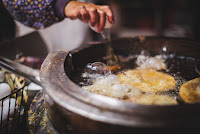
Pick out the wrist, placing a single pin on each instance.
(60, 8)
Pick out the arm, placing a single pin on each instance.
(33, 13)
(43, 13)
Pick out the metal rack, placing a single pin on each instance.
(13, 122)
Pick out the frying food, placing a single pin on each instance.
(147, 83)
(190, 91)
(111, 86)
(151, 99)
(148, 80)
(156, 62)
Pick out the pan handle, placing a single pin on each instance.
(20, 69)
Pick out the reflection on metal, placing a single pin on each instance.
(20, 69)
(37, 117)
(86, 112)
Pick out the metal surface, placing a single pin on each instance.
(13, 108)
(38, 119)
(22, 70)
(70, 106)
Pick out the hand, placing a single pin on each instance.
(89, 13)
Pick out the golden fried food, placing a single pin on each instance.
(190, 91)
(114, 68)
(111, 86)
(148, 80)
(153, 100)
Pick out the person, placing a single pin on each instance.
(43, 13)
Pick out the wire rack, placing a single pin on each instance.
(13, 107)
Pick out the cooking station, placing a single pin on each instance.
(63, 106)
(71, 109)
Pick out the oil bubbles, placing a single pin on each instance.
(95, 70)
(143, 57)
(144, 60)
(167, 52)
(145, 53)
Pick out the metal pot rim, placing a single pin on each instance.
(66, 93)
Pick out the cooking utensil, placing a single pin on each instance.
(75, 110)
(20, 69)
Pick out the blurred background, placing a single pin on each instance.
(173, 18)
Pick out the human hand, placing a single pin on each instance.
(89, 13)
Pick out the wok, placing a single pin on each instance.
(72, 109)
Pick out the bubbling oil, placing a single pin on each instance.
(177, 67)
(110, 56)
(92, 71)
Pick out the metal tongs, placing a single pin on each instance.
(19, 69)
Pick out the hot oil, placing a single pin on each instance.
(110, 56)
(180, 67)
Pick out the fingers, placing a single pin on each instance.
(94, 17)
(109, 13)
(85, 17)
(86, 12)
(89, 12)
(102, 20)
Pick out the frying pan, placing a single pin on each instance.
(74, 110)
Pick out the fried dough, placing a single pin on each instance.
(148, 80)
(153, 100)
(111, 86)
(190, 91)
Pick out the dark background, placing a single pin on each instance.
(172, 18)
(7, 25)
